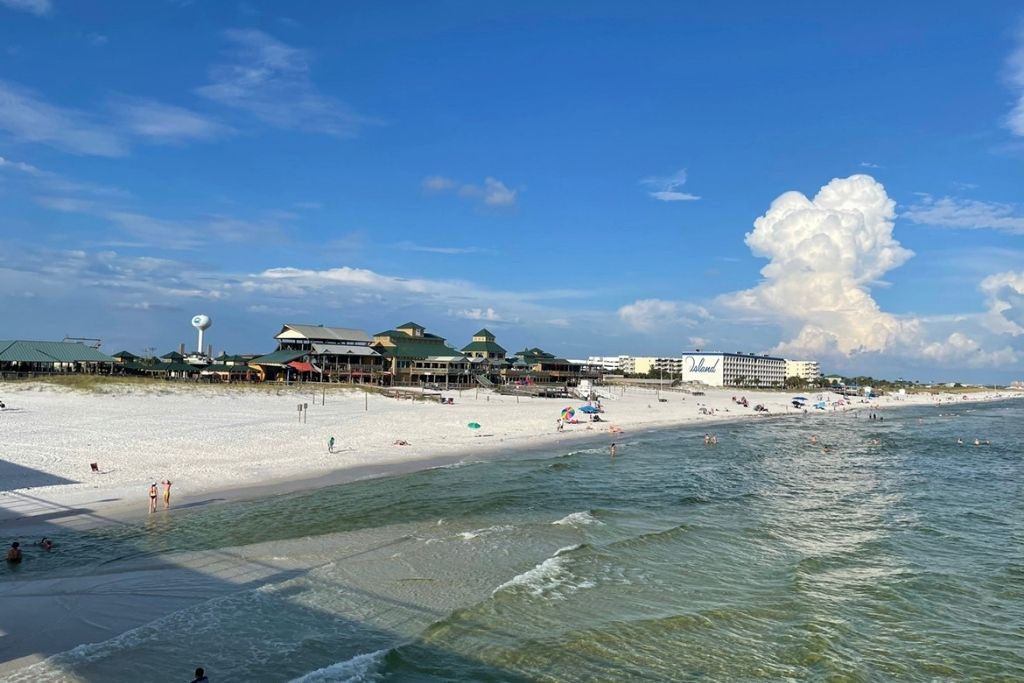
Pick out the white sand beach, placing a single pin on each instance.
(239, 441)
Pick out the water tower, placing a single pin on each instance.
(201, 322)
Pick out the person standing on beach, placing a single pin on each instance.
(330, 445)
(152, 497)
(167, 493)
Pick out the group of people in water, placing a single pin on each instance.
(711, 439)
(14, 554)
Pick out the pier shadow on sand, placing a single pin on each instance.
(124, 605)
(13, 477)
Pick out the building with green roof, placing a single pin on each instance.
(17, 355)
(415, 356)
(539, 366)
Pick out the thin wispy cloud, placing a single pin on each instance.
(271, 80)
(868, 164)
(26, 117)
(164, 123)
(666, 189)
(1015, 78)
(38, 7)
(428, 249)
(492, 192)
(966, 214)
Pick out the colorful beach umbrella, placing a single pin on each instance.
(568, 413)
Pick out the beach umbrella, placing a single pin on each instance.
(588, 409)
(474, 425)
(799, 398)
(568, 413)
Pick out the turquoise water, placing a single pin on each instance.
(892, 554)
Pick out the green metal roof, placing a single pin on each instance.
(173, 355)
(484, 333)
(411, 325)
(50, 352)
(124, 354)
(282, 357)
(416, 349)
(488, 346)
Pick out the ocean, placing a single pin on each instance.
(885, 551)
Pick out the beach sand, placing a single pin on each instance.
(228, 442)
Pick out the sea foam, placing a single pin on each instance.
(578, 518)
(360, 669)
(550, 578)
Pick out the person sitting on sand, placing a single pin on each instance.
(402, 442)
(46, 544)
(14, 553)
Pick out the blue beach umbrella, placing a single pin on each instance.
(588, 409)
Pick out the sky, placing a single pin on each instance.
(596, 178)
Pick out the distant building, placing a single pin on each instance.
(486, 356)
(414, 356)
(719, 369)
(20, 356)
(538, 366)
(604, 363)
(338, 354)
(807, 370)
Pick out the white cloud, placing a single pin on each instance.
(436, 183)
(699, 342)
(961, 350)
(492, 192)
(965, 213)
(412, 246)
(1015, 77)
(868, 164)
(487, 314)
(824, 255)
(271, 80)
(648, 315)
(97, 39)
(37, 7)
(1005, 294)
(163, 123)
(29, 119)
(666, 189)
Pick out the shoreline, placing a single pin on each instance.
(85, 507)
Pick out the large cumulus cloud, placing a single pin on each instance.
(824, 255)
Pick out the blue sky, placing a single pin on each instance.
(584, 177)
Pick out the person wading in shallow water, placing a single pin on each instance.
(152, 497)
(167, 493)
(14, 554)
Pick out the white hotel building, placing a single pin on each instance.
(807, 370)
(722, 369)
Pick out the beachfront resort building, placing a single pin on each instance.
(538, 366)
(21, 357)
(414, 356)
(340, 354)
(718, 369)
(486, 356)
(807, 370)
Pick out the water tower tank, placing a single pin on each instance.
(202, 323)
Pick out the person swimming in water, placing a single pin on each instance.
(14, 553)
